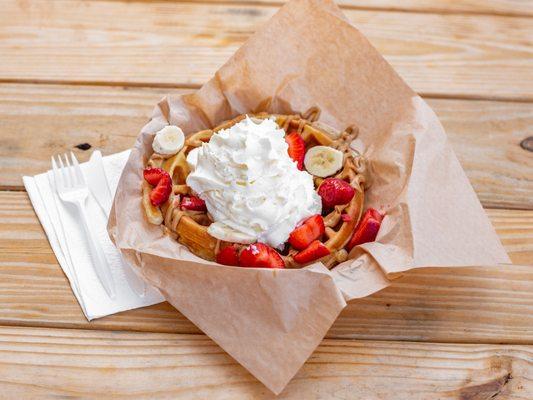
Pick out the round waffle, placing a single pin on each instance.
(190, 227)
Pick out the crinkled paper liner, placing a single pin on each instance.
(270, 321)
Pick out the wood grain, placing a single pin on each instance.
(486, 137)
(166, 43)
(101, 364)
(41, 120)
(496, 7)
(469, 305)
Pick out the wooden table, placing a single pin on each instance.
(74, 72)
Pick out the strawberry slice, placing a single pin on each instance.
(153, 175)
(296, 148)
(335, 191)
(367, 230)
(229, 255)
(375, 214)
(259, 255)
(313, 252)
(346, 217)
(193, 203)
(311, 229)
(161, 192)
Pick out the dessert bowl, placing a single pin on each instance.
(310, 195)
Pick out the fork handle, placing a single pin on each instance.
(101, 267)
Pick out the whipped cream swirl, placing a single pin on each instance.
(252, 188)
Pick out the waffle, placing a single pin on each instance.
(190, 227)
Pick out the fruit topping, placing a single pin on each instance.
(226, 233)
(323, 161)
(346, 217)
(229, 255)
(296, 148)
(260, 255)
(153, 175)
(313, 252)
(162, 190)
(168, 140)
(334, 191)
(367, 230)
(193, 203)
(311, 229)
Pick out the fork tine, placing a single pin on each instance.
(64, 174)
(77, 169)
(70, 171)
(57, 176)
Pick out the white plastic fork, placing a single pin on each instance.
(71, 188)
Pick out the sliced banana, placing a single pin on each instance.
(323, 161)
(222, 231)
(168, 140)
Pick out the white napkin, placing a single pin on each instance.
(64, 233)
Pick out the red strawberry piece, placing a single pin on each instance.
(193, 203)
(375, 214)
(335, 191)
(311, 229)
(346, 217)
(259, 255)
(296, 148)
(153, 175)
(229, 255)
(367, 230)
(313, 252)
(160, 193)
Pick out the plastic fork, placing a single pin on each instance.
(71, 188)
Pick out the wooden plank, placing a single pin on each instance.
(167, 43)
(486, 137)
(467, 305)
(496, 7)
(73, 363)
(41, 120)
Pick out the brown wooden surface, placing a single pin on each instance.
(477, 7)
(77, 363)
(463, 305)
(172, 44)
(77, 71)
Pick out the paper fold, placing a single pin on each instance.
(309, 55)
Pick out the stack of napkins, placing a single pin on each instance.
(70, 246)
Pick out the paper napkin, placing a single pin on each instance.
(69, 244)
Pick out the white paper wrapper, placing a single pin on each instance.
(271, 320)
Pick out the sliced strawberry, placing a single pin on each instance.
(334, 191)
(259, 255)
(296, 148)
(367, 230)
(311, 229)
(193, 203)
(346, 217)
(375, 214)
(153, 175)
(160, 193)
(229, 255)
(313, 252)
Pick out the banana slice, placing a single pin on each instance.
(223, 232)
(168, 140)
(323, 161)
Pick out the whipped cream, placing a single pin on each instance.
(250, 184)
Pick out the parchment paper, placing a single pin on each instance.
(307, 55)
